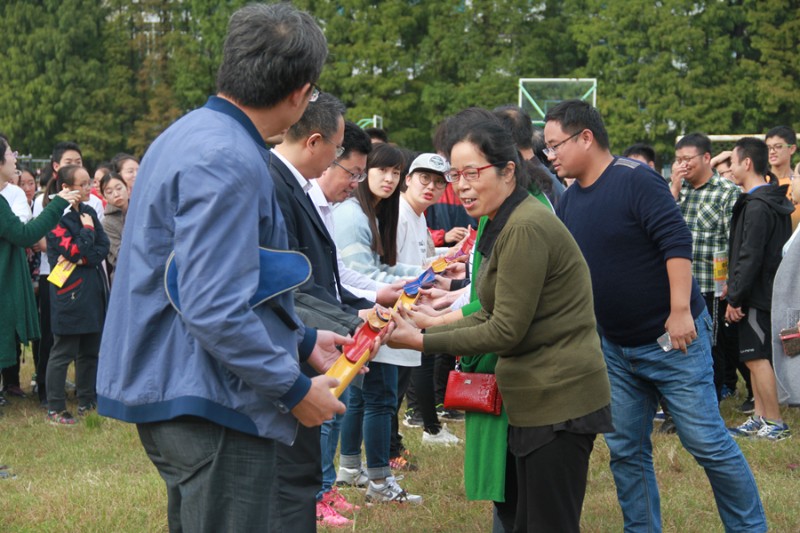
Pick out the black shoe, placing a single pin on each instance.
(412, 419)
(748, 407)
(668, 427)
(450, 415)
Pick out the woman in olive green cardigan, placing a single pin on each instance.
(537, 316)
(19, 321)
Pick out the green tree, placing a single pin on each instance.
(53, 61)
(773, 64)
(664, 68)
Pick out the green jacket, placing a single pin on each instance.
(19, 321)
(539, 319)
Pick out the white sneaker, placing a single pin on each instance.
(444, 437)
(390, 491)
(352, 476)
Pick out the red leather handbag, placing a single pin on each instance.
(473, 392)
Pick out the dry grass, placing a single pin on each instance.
(96, 477)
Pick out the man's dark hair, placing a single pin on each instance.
(696, 140)
(64, 146)
(518, 122)
(784, 132)
(756, 150)
(269, 52)
(642, 150)
(355, 140)
(575, 116)
(377, 133)
(321, 116)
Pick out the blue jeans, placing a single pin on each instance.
(369, 414)
(329, 440)
(686, 381)
(218, 479)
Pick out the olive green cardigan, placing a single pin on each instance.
(537, 315)
(18, 316)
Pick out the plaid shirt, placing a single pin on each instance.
(708, 211)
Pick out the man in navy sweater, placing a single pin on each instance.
(639, 252)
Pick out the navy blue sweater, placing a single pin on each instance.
(627, 225)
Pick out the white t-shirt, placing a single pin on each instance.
(412, 236)
(18, 201)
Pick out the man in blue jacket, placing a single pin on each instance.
(212, 388)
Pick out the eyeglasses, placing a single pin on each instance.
(15, 155)
(315, 92)
(777, 147)
(339, 149)
(426, 179)
(726, 172)
(469, 174)
(552, 151)
(687, 159)
(353, 176)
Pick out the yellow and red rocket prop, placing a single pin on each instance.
(356, 355)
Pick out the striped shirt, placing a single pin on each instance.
(708, 211)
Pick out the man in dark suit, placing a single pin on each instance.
(308, 148)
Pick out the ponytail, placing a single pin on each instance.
(64, 176)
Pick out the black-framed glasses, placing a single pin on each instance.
(552, 151)
(339, 148)
(425, 179)
(687, 159)
(315, 92)
(353, 175)
(469, 174)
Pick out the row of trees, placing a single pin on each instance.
(112, 74)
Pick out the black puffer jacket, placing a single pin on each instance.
(760, 226)
(80, 305)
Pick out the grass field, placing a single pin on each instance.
(95, 477)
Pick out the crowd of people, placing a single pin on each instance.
(597, 292)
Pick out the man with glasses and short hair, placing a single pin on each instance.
(706, 201)
(310, 148)
(639, 253)
(782, 145)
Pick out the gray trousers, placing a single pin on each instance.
(218, 479)
(66, 348)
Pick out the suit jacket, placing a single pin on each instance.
(308, 235)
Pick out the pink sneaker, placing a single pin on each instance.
(335, 499)
(327, 516)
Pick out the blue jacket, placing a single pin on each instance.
(203, 190)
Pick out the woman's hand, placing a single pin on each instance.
(405, 334)
(439, 299)
(425, 316)
(73, 197)
(87, 221)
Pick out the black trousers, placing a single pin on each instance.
(10, 374)
(725, 348)
(444, 364)
(551, 485)
(422, 384)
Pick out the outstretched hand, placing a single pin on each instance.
(326, 351)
